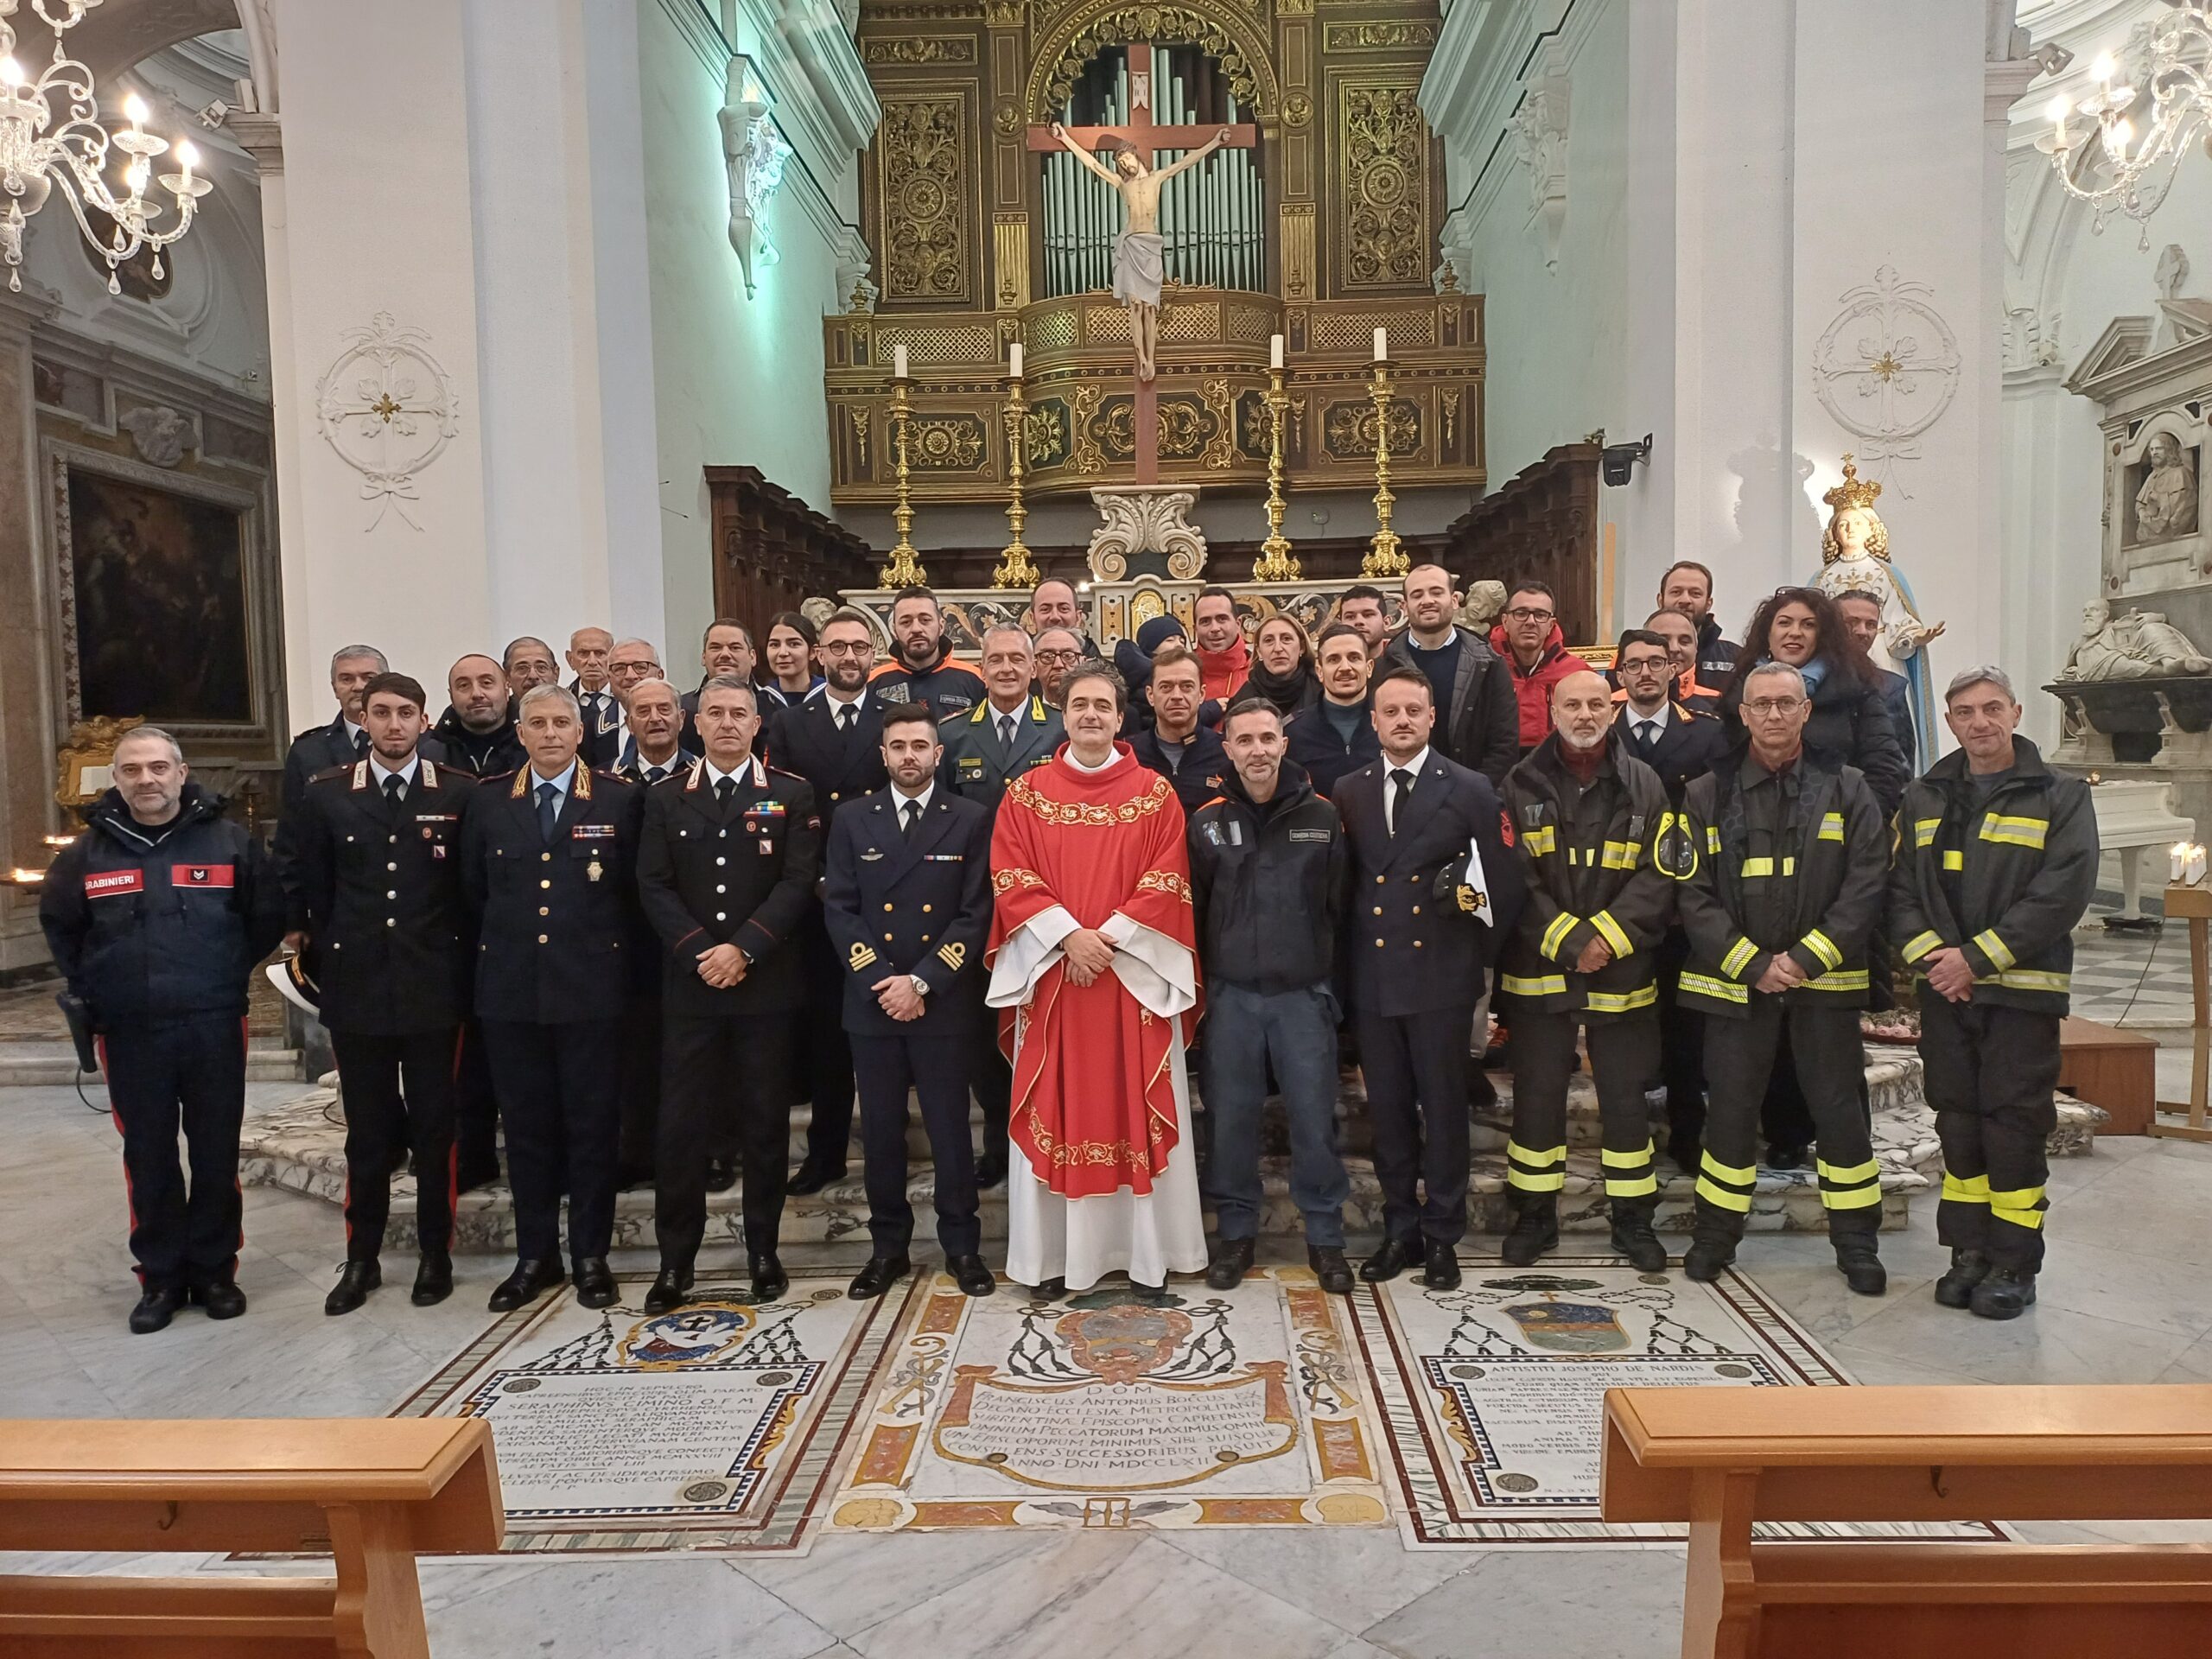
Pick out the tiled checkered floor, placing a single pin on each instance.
(2131, 979)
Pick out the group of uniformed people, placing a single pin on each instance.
(770, 894)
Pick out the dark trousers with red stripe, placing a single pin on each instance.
(373, 1071)
(164, 1075)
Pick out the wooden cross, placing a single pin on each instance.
(1147, 137)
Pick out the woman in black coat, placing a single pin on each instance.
(1283, 667)
(1801, 627)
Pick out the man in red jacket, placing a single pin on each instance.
(1528, 637)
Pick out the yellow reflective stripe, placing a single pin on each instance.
(1974, 1189)
(1954, 861)
(1543, 1159)
(1629, 1174)
(1856, 1198)
(1535, 1172)
(1540, 841)
(1723, 1197)
(1756, 866)
(2033, 979)
(1739, 957)
(1709, 1164)
(1631, 1186)
(2021, 1206)
(1823, 947)
(1621, 854)
(2017, 832)
(1613, 1160)
(1518, 1178)
(1847, 1174)
(1995, 948)
(1840, 979)
(1922, 944)
(1713, 838)
(1612, 933)
(1832, 827)
(1923, 831)
(1541, 985)
(1720, 990)
(1556, 935)
(1623, 1002)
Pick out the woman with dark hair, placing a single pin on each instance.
(1851, 718)
(788, 655)
(1283, 667)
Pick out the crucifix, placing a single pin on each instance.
(1139, 251)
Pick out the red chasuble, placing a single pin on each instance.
(1094, 1100)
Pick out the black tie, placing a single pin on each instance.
(361, 743)
(724, 788)
(913, 812)
(844, 717)
(549, 809)
(1005, 731)
(654, 774)
(1401, 782)
(1647, 735)
(395, 788)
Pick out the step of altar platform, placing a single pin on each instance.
(300, 1147)
(33, 1063)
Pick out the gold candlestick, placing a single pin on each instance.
(1384, 556)
(1275, 562)
(1016, 569)
(903, 568)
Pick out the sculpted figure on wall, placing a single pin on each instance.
(2140, 645)
(2165, 503)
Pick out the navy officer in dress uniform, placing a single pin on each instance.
(382, 916)
(727, 872)
(834, 740)
(907, 901)
(1007, 734)
(548, 856)
(156, 916)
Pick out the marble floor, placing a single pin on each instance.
(2127, 1297)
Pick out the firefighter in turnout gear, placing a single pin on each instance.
(1997, 856)
(1791, 857)
(1587, 815)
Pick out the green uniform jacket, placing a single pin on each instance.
(2022, 863)
(1816, 897)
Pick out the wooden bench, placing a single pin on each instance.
(1721, 1458)
(371, 1493)
(2114, 1069)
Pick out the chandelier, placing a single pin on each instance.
(2126, 170)
(75, 154)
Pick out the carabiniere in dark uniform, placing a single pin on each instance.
(727, 861)
(555, 933)
(918, 903)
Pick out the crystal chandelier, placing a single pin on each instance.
(75, 155)
(2129, 170)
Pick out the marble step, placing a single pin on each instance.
(28, 1063)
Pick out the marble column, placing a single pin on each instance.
(27, 716)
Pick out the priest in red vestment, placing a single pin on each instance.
(1093, 950)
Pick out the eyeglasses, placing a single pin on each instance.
(857, 648)
(1057, 656)
(1523, 614)
(1775, 707)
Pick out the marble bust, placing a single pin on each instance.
(2166, 504)
(2140, 646)
(1482, 606)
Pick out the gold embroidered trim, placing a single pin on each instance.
(1164, 881)
(1025, 794)
(1007, 880)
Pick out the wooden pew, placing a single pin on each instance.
(1720, 1459)
(372, 1493)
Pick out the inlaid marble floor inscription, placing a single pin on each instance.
(1235, 1408)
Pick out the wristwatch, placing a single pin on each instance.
(921, 986)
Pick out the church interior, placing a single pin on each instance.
(439, 324)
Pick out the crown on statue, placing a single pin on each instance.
(1853, 492)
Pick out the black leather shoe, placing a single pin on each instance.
(594, 1282)
(1786, 1157)
(1442, 1272)
(1330, 1266)
(971, 1276)
(1955, 1288)
(1633, 1238)
(1857, 1260)
(1049, 1290)
(671, 1289)
(433, 1279)
(879, 1275)
(990, 1170)
(811, 1178)
(2005, 1294)
(1145, 1293)
(1393, 1259)
(721, 1175)
(1536, 1229)
(769, 1279)
(1232, 1260)
(526, 1283)
(355, 1281)
(155, 1310)
(221, 1298)
(1706, 1257)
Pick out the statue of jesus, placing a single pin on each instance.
(1139, 262)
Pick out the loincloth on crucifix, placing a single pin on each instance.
(1140, 267)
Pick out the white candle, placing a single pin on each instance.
(1013, 359)
(898, 362)
(2195, 865)
(1274, 351)
(1382, 343)
(2177, 860)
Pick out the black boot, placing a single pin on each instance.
(1707, 1255)
(1955, 1288)
(1857, 1260)
(220, 1299)
(2006, 1294)
(1633, 1238)
(355, 1281)
(157, 1307)
(1232, 1260)
(433, 1279)
(1536, 1229)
